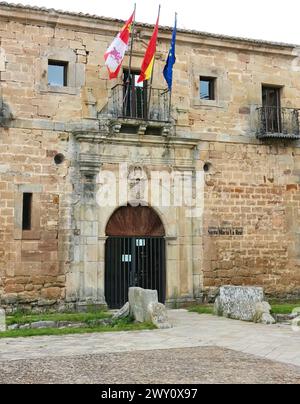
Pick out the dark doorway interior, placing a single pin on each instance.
(272, 109)
(135, 96)
(135, 259)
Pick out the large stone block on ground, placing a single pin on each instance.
(159, 315)
(238, 302)
(139, 300)
(2, 321)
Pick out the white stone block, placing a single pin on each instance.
(2, 320)
(238, 302)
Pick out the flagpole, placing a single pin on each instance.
(171, 91)
(132, 40)
(130, 61)
(152, 73)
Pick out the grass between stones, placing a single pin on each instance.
(203, 309)
(284, 308)
(88, 318)
(119, 326)
(19, 318)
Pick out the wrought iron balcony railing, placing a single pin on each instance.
(139, 103)
(276, 122)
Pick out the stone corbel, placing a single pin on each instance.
(142, 129)
(168, 130)
(116, 128)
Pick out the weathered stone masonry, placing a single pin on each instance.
(249, 230)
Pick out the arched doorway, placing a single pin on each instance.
(134, 254)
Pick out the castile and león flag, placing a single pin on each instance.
(115, 54)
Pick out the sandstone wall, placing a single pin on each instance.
(32, 263)
(251, 188)
(239, 67)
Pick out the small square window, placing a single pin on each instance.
(57, 73)
(207, 88)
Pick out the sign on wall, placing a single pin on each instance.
(225, 231)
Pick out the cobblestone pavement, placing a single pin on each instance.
(188, 365)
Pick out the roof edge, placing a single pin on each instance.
(52, 11)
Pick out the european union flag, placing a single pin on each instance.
(168, 70)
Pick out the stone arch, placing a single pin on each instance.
(135, 221)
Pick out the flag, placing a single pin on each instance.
(148, 62)
(115, 54)
(168, 70)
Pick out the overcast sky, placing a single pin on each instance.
(274, 20)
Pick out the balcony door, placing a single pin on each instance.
(271, 109)
(135, 96)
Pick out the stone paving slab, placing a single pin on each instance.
(201, 365)
(274, 342)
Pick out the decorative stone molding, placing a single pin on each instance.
(168, 130)
(90, 164)
(115, 128)
(88, 136)
(137, 126)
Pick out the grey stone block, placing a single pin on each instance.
(13, 327)
(159, 315)
(123, 312)
(2, 320)
(4, 168)
(139, 300)
(262, 314)
(238, 302)
(44, 324)
(24, 327)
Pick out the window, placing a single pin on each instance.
(207, 88)
(57, 73)
(27, 211)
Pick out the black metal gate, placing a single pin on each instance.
(134, 261)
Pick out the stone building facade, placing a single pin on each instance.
(238, 155)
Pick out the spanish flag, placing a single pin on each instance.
(148, 62)
(116, 52)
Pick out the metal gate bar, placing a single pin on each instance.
(134, 261)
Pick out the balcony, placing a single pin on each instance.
(139, 110)
(278, 123)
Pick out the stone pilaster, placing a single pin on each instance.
(87, 271)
